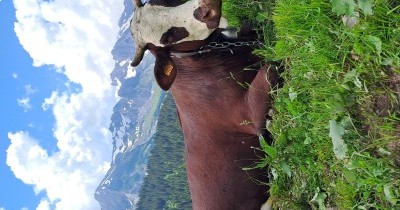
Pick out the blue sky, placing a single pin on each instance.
(17, 75)
(56, 101)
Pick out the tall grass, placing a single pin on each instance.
(336, 126)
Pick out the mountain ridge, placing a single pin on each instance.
(133, 122)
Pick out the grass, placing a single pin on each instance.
(336, 126)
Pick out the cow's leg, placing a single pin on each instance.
(259, 98)
(266, 79)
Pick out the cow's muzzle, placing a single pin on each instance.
(209, 16)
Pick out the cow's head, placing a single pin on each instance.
(163, 23)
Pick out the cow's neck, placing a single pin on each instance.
(215, 84)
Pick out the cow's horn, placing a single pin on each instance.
(138, 55)
(137, 3)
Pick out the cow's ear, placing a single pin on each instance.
(164, 71)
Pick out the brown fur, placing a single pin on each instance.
(221, 121)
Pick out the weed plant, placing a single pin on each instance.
(336, 126)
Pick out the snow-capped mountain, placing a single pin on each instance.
(133, 122)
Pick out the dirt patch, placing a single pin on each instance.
(389, 103)
(394, 149)
(382, 106)
(395, 86)
(394, 146)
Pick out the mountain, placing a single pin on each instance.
(133, 122)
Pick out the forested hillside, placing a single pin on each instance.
(165, 186)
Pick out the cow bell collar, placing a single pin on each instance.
(230, 36)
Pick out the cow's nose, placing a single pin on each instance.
(202, 13)
(208, 16)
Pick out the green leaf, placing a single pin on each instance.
(263, 163)
(343, 7)
(307, 141)
(387, 61)
(286, 169)
(336, 131)
(350, 176)
(261, 17)
(352, 76)
(366, 6)
(345, 86)
(389, 195)
(319, 198)
(271, 151)
(357, 82)
(374, 42)
(292, 94)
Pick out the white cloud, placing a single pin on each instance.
(71, 34)
(48, 102)
(68, 176)
(15, 76)
(24, 103)
(43, 205)
(77, 37)
(29, 90)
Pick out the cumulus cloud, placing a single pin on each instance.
(68, 177)
(76, 37)
(73, 35)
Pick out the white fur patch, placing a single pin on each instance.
(267, 205)
(151, 22)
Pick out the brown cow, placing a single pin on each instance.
(221, 96)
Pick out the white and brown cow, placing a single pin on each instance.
(222, 98)
(163, 23)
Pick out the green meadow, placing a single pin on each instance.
(336, 122)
